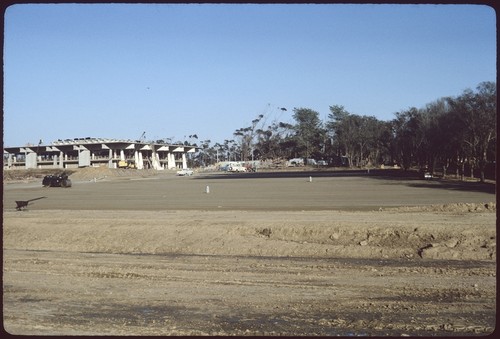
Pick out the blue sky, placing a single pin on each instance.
(117, 70)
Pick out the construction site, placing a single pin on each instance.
(270, 253)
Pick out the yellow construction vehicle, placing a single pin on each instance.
(126, 164)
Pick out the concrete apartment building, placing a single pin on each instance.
(86, 152)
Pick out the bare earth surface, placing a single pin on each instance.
(291, 253)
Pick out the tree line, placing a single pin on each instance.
(452, 135)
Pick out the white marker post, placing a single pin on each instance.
(310, 179)
(207, 190)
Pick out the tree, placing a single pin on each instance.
(384, 146)
(309, 134)
(362, 139)
(476, 112)
(231, 150)
(205, 153)
(341, 126)
(457, 132)
(370, 132)
(247, 135)
(486, 111)
(270, 141)
(409, 137)
(442, 136)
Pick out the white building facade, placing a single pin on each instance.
(93, 152)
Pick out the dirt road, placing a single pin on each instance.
(338, 255)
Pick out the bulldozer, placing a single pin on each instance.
(126, 164)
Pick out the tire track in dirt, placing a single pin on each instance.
(157, 294)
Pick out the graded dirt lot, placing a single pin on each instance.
(275, 253)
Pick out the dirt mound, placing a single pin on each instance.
(428, 235)
(78, 174)
(31, 174)
(455, 208)
(102, 173)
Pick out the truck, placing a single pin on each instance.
(232, 166)
(236, 168)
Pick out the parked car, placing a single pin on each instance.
(425, 173)
(185, 172)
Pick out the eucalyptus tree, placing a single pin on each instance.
(247, 136)
(341, 125)
(274, 141)
(385, 146)
(442, 131)
(216, 153)
(367, 132)
(364, 140)
(476, 114)
(486, 112)
(456, 131)
(374, 140)
(264, 149)
(406, 130)
(231, 150)
(205, 155)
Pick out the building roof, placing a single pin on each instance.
(99, 143)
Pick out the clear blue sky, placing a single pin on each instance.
(117, 70)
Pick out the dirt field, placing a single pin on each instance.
(266, 254)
